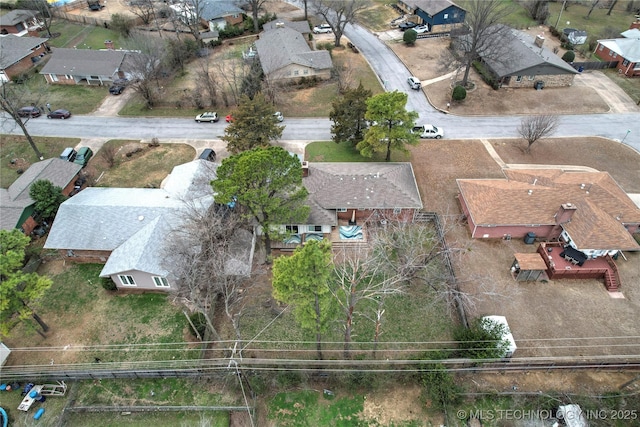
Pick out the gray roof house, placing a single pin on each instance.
(219, 13)
(19, 22)
(345, 196)
(126, 228)
(523, 61)
(19, 54)
(16, 206)
(284, 54)
(88, 66)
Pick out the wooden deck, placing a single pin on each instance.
(559, 268)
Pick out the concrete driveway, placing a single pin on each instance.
(611, 93)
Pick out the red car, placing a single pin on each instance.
(59, 114)
(29, 112)
(229, 118)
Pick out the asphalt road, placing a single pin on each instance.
(392, 73)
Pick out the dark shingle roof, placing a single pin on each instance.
(525, 58)
(280, 47)
(214, 9)
(432, 7)
(363, 185)
(16, 16)
(299, 26)
(15, 48)
(84, 62)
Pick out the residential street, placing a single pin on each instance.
(392, 73)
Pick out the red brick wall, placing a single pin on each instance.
(24, 64)
(83, 256)
(607, 54)
(234, 21)
(29, 225)
(62, 80)
(366, 214)
(10, 29)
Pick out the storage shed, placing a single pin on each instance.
(528, 267)
(4, 353)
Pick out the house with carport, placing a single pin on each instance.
(17, 207)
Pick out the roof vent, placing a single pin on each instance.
(141, 217)
(279, 24)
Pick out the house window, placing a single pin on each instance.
(601, 48)
(397, 211)
(446, 16)
(161, 282)
(614, 55)
(625, 62)
(127, 280)
(342, 209)
(518, 79)
(531, 77)
(296, 72)
(305, 72)
(67, 76)
(54, 77)
(292, 229)
(315, 228)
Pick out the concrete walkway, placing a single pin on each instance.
(611, 93)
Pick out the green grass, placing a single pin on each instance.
(630, 85)
(17, 147)
(378, 16)
(305, 408)
(67, 31)
(595, 26)
(329, 151)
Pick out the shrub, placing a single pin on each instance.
(200, 322)
(108, 284)
(441, 387)
(410, 36)
(487, 76)
(230, 31)
(459, 93)
(121, 24)
(569, 56)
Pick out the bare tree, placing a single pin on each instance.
(143, 9)
(208, 254)
(12, 98)
(256, 6)
(206, 83)
(594, 3)
(532, 128)
(485, 35)
(338, 13)
(190, 15)
(611, 6)
(145, 64)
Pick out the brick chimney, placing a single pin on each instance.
(635, 24)
(539, 41)
(565, 213)
(305, 168)
(109, 44)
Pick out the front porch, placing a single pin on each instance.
(560, 268)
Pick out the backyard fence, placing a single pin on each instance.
(594, 65)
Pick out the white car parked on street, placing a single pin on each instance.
(428, 131)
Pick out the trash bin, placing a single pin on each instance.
(580, 69)
(539, 85)
(529, 238)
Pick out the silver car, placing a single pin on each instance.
(209, 116)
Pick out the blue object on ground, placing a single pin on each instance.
(3, 387)
(4, 418)
(38, 414)
(33, 394)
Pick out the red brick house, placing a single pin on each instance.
(587, 210)
(19, 54)
(625, 51)
(20, 22)
(343, 197)
(84, 66)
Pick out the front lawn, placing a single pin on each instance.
(329, 151)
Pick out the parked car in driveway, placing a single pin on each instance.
(406, 25)
(421, 28)
(29, 112)
(209, 116)
(59, 114)
(428, 131)
(116, 89)
(278, 115)
(208, 154)
(83, 156)
(68, 154)
(322, 29)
